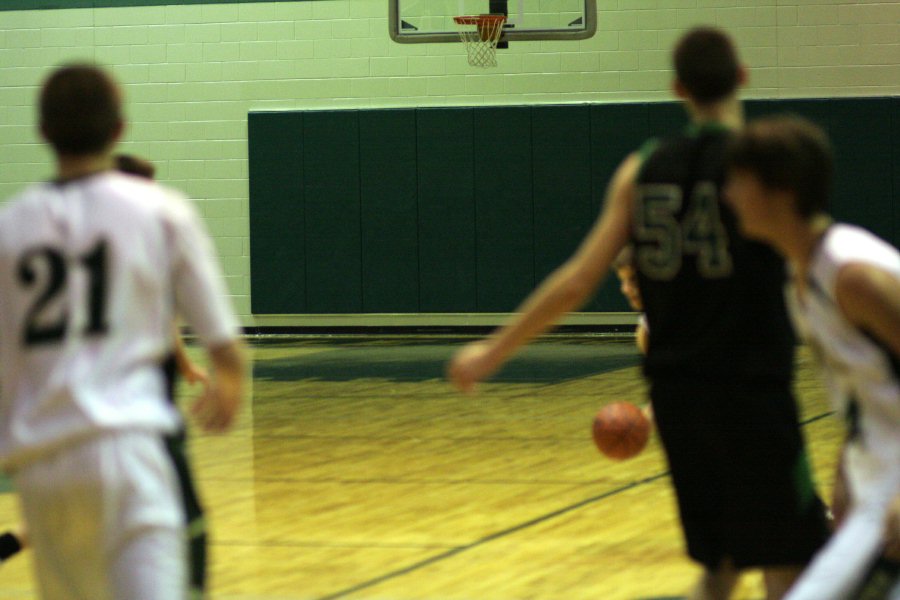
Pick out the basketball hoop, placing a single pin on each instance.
(480, 34)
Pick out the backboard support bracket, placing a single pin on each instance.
(407, 27)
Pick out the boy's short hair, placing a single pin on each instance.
(787, 153)
(80, 110)
(706, 64)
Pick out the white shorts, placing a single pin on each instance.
(843, 564)
(106, 520)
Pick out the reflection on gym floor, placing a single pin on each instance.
(357, 472)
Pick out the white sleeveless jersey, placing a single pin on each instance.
(863, 386)
(92, 273)
(860, 374)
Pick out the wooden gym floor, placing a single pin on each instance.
(356, 472)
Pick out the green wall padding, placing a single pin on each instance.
(895, 168)
(331, 189)
(616, 131)
(562, 183)
(665, 117)
(389, 211)
(277, 238)
(504, 219)
(858, 132)
(466, 209)
(445, 154)
(864, 145)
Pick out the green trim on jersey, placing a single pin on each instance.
(878, 580)
(648, 148)
(195, 524)
(803, 479)
(695, 129)
(644, 152)
(691, 130)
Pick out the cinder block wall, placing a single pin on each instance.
(193, 72)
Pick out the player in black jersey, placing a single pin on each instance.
(720, 354)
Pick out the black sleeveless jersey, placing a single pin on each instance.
(713, 299)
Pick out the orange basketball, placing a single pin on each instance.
(621, 430)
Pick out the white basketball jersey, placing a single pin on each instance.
(863, 385)
(92, 273)
(860, 373)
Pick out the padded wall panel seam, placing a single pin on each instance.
(503, 207)
(561, 183)
(857, 131)
(447, 271)
(389, 211)
(445, 210)
(332, 209)
(277, 241)
(895, 169)
(616, 130)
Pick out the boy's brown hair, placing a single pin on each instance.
(706, 64)
(787, 153)
(80, 110)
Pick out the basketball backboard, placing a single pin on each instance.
(431, 21)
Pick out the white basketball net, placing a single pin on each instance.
(480, 34)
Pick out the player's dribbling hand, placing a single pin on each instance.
(216, 408)
(473, 363)
(194, 373)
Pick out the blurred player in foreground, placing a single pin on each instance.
(844, 295)
(94, 266)
(720, 357)
(15, 540)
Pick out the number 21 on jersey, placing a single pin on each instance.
(45, 270)
(664, 240)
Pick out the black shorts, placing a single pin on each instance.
(740, 472)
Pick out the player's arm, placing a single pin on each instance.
(869, 297)
(564, 290)
(217, 408)
(202, 299)
(642, 336)
(191, 371)
(840, 495)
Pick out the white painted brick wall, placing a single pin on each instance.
(192, 73)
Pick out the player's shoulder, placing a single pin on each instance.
(147, 196)
(689, 137)
(844, 243)
(137, 189)
(661, 156)
(25, 200)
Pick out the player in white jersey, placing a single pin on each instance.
(844, 295)
(93, 267)
(15, 539)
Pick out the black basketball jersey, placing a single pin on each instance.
(713, 299)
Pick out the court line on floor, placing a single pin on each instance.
(489, 538)
(514, 529)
